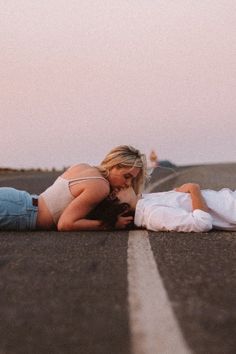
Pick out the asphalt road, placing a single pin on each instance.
(68, 292)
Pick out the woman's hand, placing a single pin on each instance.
(123, 222)
(188, 188)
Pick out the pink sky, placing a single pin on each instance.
(79, 77)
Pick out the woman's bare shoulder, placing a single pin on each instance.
(77, 170)
(83, 171)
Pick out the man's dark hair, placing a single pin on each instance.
(109, 210)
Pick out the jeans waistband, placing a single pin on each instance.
(32, 206)
(34, 201)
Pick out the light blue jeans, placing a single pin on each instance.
(17, 211)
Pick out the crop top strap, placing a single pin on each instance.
(74, 181)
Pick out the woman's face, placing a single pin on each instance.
(122, 177)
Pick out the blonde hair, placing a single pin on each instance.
(126, 156)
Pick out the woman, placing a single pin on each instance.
(65, 204)
(185, 209)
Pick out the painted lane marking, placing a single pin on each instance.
(150, 187)
(154, 329)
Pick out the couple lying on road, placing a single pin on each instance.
(106, 196)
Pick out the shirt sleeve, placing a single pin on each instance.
(164, 218)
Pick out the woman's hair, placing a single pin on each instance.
(126, 156)
(109, 210)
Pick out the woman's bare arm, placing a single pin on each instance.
(193, 189)
(74, 216)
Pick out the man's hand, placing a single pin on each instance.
(188, 188)
(193, 189)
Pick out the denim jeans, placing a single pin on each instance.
(16, 210)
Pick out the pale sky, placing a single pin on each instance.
(80, 76)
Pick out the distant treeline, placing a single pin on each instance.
(9, 169)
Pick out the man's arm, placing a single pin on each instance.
(197, 199)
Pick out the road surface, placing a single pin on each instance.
(119, 292)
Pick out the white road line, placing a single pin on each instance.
(150, 187)
(154, 329)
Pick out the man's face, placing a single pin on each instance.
(127, 195)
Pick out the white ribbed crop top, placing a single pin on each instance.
(58, 196)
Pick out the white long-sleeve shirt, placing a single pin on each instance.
(172, 211)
